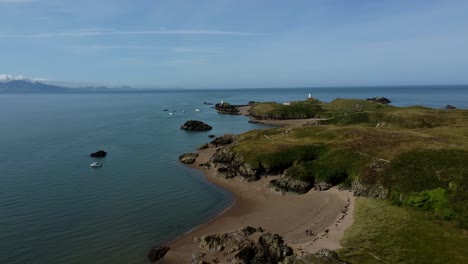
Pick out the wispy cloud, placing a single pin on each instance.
(8, 77)
(99, 32)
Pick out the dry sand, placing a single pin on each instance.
(325, 214)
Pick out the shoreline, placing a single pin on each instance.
(326, 214)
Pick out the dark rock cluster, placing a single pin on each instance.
(98, 154)
(195, 125)
(226, 108)
(241, 246)
(285, 184)
(157, 253)
(380, 99)
(223, 140)
(232, 165)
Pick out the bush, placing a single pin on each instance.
(434, 200)
(299, 172)
(281, 160)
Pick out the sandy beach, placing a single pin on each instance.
(325, 214)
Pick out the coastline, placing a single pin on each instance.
(326, 214)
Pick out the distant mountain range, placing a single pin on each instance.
(25, 86)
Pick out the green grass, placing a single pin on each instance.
(419, 155)
(345, 112)
(296, 110)
(400, 235)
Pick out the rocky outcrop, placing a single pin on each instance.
(98, 154)
(380, 99)
(360, 188)
(188, 158)
(272, 249)
(241, 246)
(157, 253)
(285, 184)
(226, 108)
(230, 241)
(223, 140)
(195, 125)
(322, 186)
(323, 256)
(370, 182)
(232, 165)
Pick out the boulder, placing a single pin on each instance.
(380, 99)
(211, 136)
(98, 154)
(157, 253)
(195, 125)
(188, 158)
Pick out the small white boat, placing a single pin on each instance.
(171, 113)
(95, 165)
(197, 110)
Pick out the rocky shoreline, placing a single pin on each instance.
(230, 237)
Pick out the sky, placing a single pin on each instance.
(235, 43)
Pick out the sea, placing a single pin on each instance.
(55, 208)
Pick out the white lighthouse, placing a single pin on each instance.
(310, 96)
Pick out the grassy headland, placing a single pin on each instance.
(415, 157)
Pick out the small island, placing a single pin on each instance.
(195, 125)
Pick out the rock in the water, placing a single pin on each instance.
(226, 108)
(449, 107)
(195, 125)
(188, 158)
(380, 99)
(99, 154)
(157, 253)
(211, 136)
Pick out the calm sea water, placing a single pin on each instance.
(54, 208)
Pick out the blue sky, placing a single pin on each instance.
(236, 43)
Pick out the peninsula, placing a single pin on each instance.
(295, 186)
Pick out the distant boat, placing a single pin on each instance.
(165, 109)
(96, 165)
(171, 113)
(197, 110)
